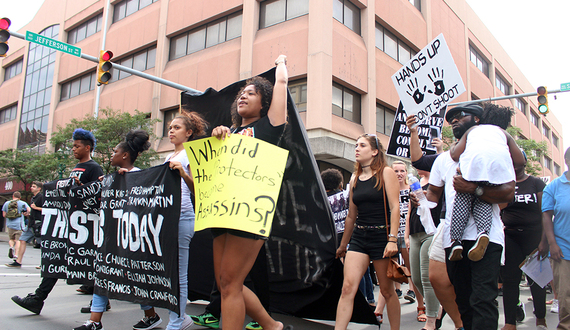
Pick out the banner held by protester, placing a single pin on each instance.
(236, 182)
(137, 257)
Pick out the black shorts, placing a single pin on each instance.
(369, 241)
(220, 231)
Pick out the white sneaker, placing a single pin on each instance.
(187, 323)
(554, 307)
(541, 327)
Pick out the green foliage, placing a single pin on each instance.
(534, 150)
(110, 128)
(447, 137)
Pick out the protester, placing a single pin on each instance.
(523, 232)
(486, 154)
(475, 282)
(261, 112)
(437, 270)
(371, 228)
(34, 218)
(14, 211)
(87, 170)
(555, 204)
(124, 156)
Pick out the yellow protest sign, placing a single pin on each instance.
(236, 182)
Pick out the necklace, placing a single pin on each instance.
(364, 166)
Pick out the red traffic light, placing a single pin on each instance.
(5, 23)
(541, 90)
(107, 55)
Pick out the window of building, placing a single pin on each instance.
(8, 114)
(479, 61)
(169, 115)
(548, 163)
(384, 119)
(278, 11)
(206, 36)
(85, 30)
(298, 90)
(555, 140)
(556, 169)
(502, 84)
(13, 70)
(129, 7)
(346, 103)
(78, 86)
(519, 104)
(546, 131)
(37, 91)
(140, 61)
(393, 46)
(417, 4)
(534, 119)
(347, 13)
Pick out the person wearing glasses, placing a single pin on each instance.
(475, 282)
(371, 227)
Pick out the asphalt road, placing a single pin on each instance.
(61, 309)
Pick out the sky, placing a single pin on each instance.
(534, 33)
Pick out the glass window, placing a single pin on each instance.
(298, 90)
(85, 30)
(545, 131)
(417, 4)
(77, 86)
(346, 103)
(384, 119)
(8, 114)
(347, 13)
(276, 11)
(556, 169)
(168, 117)
(548, 163)
(404, 54)
(296, 8)
(478, 61)
(13, 70)
(502, 84)
(196, 41)
(233, 26)
(555, 140)
(534, 119)
(178, 46)
(128, 7)
(139, 61)
(37, 91)
(390, 44)
(519, 104)
(128, 62)
(150, 58)
(215, 33)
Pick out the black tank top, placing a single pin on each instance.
(370, 203)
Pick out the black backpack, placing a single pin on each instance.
(13, 210)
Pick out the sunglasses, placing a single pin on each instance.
(458, 116)
(375, 140)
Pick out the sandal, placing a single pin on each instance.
(422, 317)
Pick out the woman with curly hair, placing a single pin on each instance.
(261, 112)
(371, 227)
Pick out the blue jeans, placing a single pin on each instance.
(99, 303)
(366, 287)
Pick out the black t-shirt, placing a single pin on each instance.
(86, 172)
(524, 212)
(415, 222)
(425, 162)
(263, 130)
(370, 203)
(36, 215)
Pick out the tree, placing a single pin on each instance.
(110, 128)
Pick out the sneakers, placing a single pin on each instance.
(30, 302)
(477, 252)
(14, 264)
(399, 293)
(187, 323)
(554, 307)
(410, 296)
(541, 327)
(206, 319)
(11, 253)
(253, 326)
(456, 251)
(148, 323)
(520, 312)
(87, 309)
(90, 325)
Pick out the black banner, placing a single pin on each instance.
(430, 128)
(303, 274)
(83, 229)
(55, 211)
(137, 256)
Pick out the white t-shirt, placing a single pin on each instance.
(186, 202)
(442, 172)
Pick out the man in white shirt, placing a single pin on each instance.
(475, 283)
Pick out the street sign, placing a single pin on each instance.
(565, 87)
(53, 44)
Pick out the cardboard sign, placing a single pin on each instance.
(429, 81)
(236, 182)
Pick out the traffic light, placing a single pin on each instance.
(105, 65)
(542, 100)
(4, 36)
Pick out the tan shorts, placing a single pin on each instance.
(14, 234)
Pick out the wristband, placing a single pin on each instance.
(281, 61)
(390, 235)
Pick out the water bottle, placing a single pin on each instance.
(416, 188)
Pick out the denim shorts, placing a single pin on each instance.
(369, 241)
(220, 231)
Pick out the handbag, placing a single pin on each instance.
(395, 271)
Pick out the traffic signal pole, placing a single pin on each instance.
(129, 70)
(554, 91)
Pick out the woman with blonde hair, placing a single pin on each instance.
(371, 228)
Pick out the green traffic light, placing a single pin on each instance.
(543, 109)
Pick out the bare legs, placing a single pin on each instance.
(444, 290)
